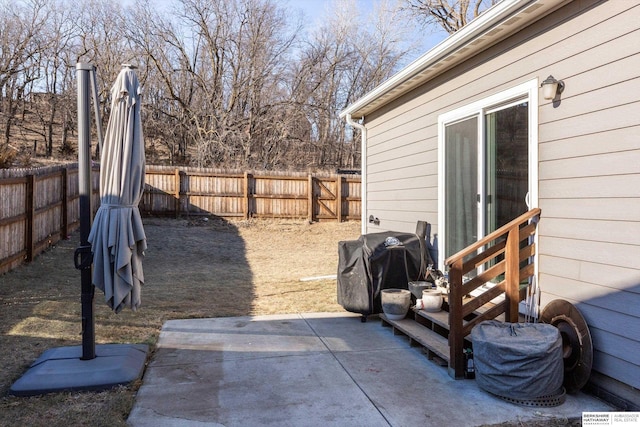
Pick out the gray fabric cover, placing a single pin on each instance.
(354, 292)
(518, 360)
(368, 265)
(117, 236)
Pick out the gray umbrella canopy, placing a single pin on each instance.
(117, 236)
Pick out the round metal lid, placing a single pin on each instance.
(577, 347)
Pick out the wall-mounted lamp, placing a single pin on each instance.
(551, 87)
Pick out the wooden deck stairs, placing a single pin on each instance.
(506, 258)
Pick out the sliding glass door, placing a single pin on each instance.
(485, 176)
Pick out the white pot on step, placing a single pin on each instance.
(395, 303)
(432, 300)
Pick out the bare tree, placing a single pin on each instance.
(451, 15)
(20, 44)
(100, 40)
(166, 64)
(227, 83)
(344, 59)
(217, 67)
(51, 101)
(263, 47)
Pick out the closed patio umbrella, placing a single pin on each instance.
(117, 240)
(117, 236)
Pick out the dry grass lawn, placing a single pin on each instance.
(193, 269)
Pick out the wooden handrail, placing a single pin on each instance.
(490, 237)
(502, 252)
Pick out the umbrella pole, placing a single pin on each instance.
(83, 254)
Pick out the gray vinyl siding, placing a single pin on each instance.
(589, 162)
(589, 183)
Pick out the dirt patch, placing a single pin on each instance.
(193, 269)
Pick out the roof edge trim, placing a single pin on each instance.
(489, 19)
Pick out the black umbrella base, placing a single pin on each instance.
(61, 369)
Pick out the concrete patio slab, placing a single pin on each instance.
(314, 369)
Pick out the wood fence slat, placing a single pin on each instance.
(64, 219)
(310, 200)
(177, 187)
(339, 198)
(245, 202)
(30, 206)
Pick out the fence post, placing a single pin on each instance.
(246, 195)
(310, 198)
(30, 214)
(339, 198)
(177, 185)
(64, 223)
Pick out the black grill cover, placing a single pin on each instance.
(375, 262)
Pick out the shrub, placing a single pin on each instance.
(7, 156)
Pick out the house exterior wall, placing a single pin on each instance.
(589, 162)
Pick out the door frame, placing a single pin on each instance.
(528, 92)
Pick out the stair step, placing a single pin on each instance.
(438, 317)
(430, 330)
(434, 344)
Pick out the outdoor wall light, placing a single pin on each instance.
(551, 87)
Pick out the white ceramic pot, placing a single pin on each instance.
(395, 303)
(432, 300)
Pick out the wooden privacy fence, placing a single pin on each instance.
(40, 206)
(190, 191)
